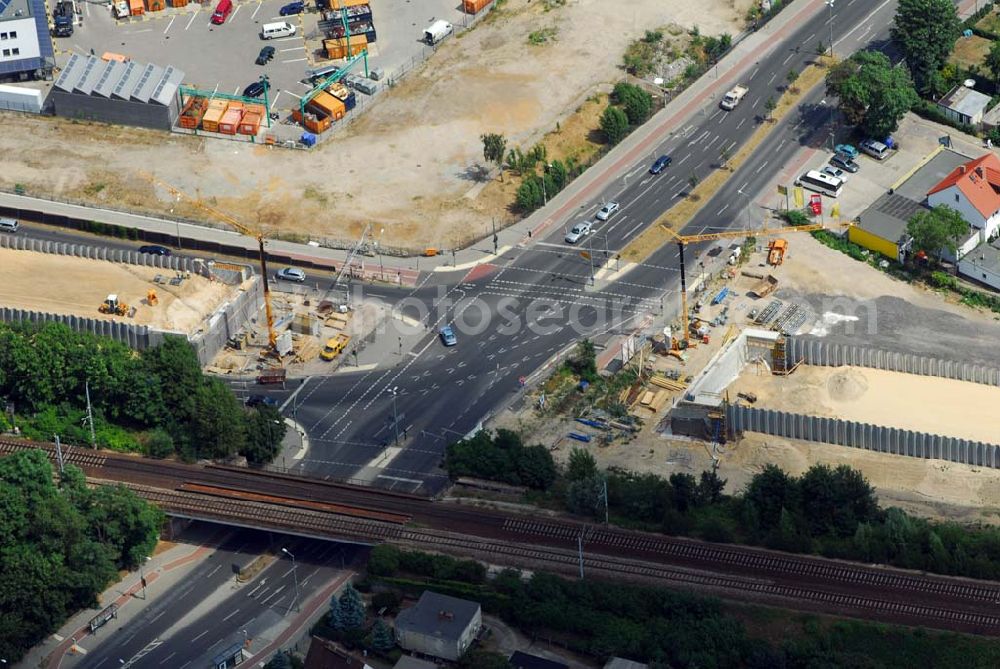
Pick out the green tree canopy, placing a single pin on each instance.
(873, 93)
(352, 608)
(614, 124)
(992, 61)
(926, 32)
(636, 102)
(936, 230)
(382, 637)
(494, 148)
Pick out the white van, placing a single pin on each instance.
(437, 31)
(8, 225)
(279, 29)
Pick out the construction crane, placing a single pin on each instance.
(272, 336)
(684, 240)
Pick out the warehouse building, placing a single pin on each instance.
(119, 92)
(25, 45)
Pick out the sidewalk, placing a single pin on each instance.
(748, 49)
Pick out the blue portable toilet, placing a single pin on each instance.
(308, 139)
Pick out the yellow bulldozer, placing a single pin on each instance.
(112, 305)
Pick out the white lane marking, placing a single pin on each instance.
(193, 16)
(275, 100)
(293, 48)
(762, 166)
(254, 15)
(169, 24)
(637, 226)
(686, 156)
(233, 15)
(235, 611)
(200, 636)
(740, 124)
(788, 58)
(295, 60)
(719, 213)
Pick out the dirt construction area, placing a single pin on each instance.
(77, 286)
(411, 163)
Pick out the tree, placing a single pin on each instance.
(926, 32)
(478, 658)
(769, 106)
(872, 93)
(937, 230)
(725, 153)
(382, 639)
(583, 361)
(791, 78)
(710, 488)
(529, 194)
(383, 560)
(535, 467)
(494, 147)
(692, 183)
(614, 124)
(280, 661)
(265, 431)
(636, 102)
(582, 465)
(127, 524)
(334, 618)
(992, 61)
(352, 608)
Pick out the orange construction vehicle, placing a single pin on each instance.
(776, 251)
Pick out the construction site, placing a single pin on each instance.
(767, 377)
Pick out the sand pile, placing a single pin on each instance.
(847, 385)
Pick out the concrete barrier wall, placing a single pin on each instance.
(121, 256)
(829, 354)
(135, 336)
(879, 438)
(226, 322)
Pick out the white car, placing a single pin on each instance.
(578, 232)
(608, 210)
(291, 274)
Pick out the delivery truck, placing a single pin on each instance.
(733, 97)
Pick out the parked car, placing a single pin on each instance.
(254, 90)
(661, 164)
(846, 150)
(875, 149)
(155, 249)
(291, 274)
(834, 172)
(844, 163)
(608, 210)
(265, 55)
(578, 232)
(292, 8)
(448, 337)
(258, 400)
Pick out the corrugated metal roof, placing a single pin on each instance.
(109, 79)
(70, 73)
(123, 89)
(92, 70)
(167, 88)
(147, 83)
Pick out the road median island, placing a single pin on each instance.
(657, 234)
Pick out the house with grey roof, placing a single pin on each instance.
(964, 105)
(621, 663)
(123, 93)
(439, 626)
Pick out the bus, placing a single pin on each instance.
(821, 183)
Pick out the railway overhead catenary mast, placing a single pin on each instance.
(272, 336)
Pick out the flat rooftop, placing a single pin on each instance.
(74, 286)
(14, 9)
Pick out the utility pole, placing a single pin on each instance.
(295, 575)
(90, 417)
(395, 416)
(604, 494)
(496, 240)
(59, 453)
(579, 548)
(829, 3)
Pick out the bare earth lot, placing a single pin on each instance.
(77, 286)
(405, 165)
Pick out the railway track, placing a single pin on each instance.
(331, 510)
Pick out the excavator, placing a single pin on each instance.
(112, 305)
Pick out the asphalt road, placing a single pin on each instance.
(513, 316)
(181, 629)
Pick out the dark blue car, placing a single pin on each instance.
(292, 8)
(660, 164)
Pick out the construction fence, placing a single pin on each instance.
(226, 322)
(878, 438)
(829, 354)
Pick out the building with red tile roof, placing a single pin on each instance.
(972, 189)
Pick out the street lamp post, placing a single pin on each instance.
(829, 3)
(378, 247)
(747, 196)
(295, 575)
(395, 416)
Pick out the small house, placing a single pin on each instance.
(964, 105)
(439, 625)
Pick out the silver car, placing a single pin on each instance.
(834, 172)
(578, 232)
(291, 274)
(608, 210)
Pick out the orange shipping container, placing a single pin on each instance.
(312, 122)
(328, 105)
(135, 7)
(178, 3)
(214, 114)
(340, 4)
(231, 120)
(250, 124)
(475, 6)
(254, 109)
(338, 48)
(156, 5)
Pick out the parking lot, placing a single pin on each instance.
(221, 57)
